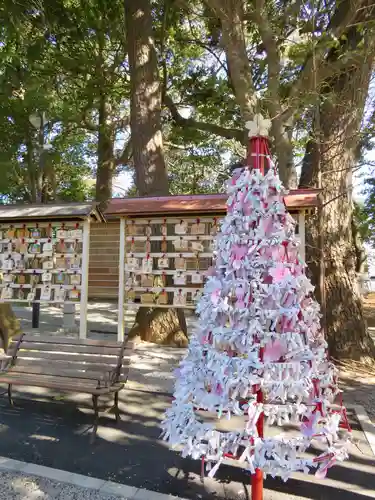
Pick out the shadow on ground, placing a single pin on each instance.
(55, 433)
(358, 391)
(102, 318)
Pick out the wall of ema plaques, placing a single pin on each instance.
(45, 256)
(166, 260)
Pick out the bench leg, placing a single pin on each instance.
(96, 417)
(10, 395)
(117, 411)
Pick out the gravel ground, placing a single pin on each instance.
(18, 486)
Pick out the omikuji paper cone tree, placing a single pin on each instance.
(258, 334)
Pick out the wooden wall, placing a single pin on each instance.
(104, 260)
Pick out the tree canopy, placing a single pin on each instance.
(163, 88)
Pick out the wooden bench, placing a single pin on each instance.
(70, 365)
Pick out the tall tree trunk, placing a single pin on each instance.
(106, 161)
(165, 326)
(333, 150)
(145, 118)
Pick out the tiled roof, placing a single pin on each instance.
(50, 211)
(202, 203)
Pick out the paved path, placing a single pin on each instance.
(101, 317)
(49, 433)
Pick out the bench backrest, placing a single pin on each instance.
(88, 359)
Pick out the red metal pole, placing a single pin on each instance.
(257, 478)
(257, 485)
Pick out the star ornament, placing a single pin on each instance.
(260, 126)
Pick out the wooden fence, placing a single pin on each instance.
(104, 260)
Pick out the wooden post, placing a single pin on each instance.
(302, 236)
(121, 282)
(322, 268)
(84, 279)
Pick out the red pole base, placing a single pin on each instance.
(257, 485)
(202, 469)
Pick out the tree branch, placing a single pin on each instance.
(121, 123)
(204, 46)
(344, 15)
(125, 154)
(227, 133)
(118, 57)
(231, 15)
(272, 52)
(87, 123)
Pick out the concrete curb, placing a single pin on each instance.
(100, 485)
(367, 426)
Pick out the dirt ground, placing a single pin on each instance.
(358, 382)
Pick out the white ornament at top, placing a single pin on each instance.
(260, 126)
